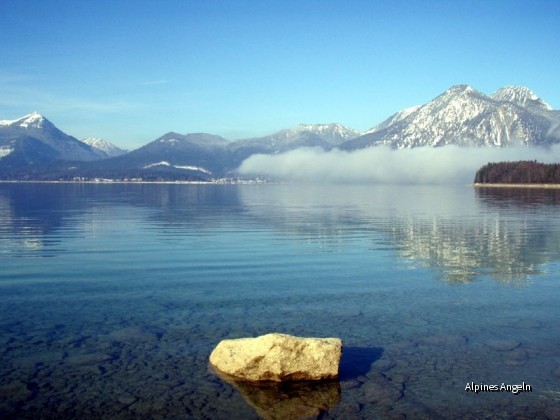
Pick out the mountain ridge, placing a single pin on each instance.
(55, 144)
(513, 115)
(466, 117)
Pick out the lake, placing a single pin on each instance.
(113, 297)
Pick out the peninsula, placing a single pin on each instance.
(525, 174)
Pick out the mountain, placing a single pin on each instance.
(33, 148)
(466, 117)
(103, 145)
(33, 139)
(194, 157)
(201, 156)
(302, 135)
(520, 96)
(205, 152)
(325, 136)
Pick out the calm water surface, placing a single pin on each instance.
(113, 297)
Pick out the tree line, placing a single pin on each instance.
(521, 172)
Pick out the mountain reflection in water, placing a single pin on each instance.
(460, 233)
(507, 234)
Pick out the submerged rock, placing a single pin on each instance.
(381, 390)
(136, 334)
(516, 357)
(278, 357)
(503, 345)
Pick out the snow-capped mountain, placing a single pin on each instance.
(466, 117)
(521, 96)
(33, 120)
(334, 134)
(34, 139)
(461, 116)
(105, 146)
(302, 135)
(325, 136)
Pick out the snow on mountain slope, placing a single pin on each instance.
(399, 116)
(186, 167)
(521, 96)
(325, 136)
(105, 146)
(466, 117)
(301, 135)
(5, 151)
(334, 134)
(33, 120)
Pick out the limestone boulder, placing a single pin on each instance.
(278, 357)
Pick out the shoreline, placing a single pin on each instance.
(549, 186)
(135, 182)
(106, 182)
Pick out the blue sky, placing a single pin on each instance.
(130, 71)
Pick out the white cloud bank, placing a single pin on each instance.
(425, 165)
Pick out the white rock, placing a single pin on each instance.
(278, 357)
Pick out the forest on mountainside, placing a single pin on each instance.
(521, 172)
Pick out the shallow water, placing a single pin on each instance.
(113, 297)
